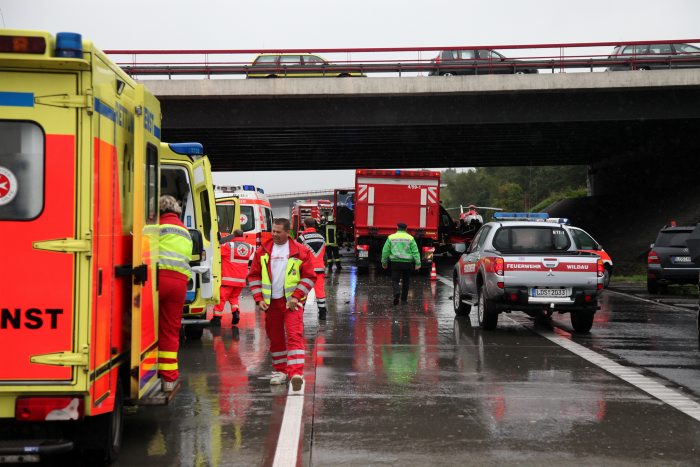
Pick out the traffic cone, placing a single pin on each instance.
(433, 273)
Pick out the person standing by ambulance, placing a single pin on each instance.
(315, 242)
(281, 276)
(332, 251)
(401, 249)
(174, 255)
(235, 255)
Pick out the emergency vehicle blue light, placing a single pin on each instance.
(398, 172)
(187, 149)
(248, 187)
(69, 45)
(260, 190)
(520, 215)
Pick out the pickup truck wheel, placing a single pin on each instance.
(488, 316)
(582, 321)
(461, 308)
(606, 277)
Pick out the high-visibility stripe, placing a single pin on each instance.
(252, 283)
(296, 352)
(277, 354)
(296, 361)
(233, 279)
(166, 354)
(301, 287)
(370, 215)
(175, 230)
(239, 261)
(174, 262)
(308, 281)
(370, 195)
(279, 360)
(423, 213)
(423, 196)
(167, 366)
(321, 301)
(255, 290)
(319, 270)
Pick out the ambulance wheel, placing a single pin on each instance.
(582, 321)
(193, 332)
(104, 433)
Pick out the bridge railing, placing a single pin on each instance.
(524, 58)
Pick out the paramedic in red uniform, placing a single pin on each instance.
(280, 278)
(315, 242)
(235, 255)
(174, 255)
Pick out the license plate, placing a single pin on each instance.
(550, 292)
(363, 254)
(681, 259)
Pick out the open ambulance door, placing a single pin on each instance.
(228, 210)
(144, 300)
(208, 269)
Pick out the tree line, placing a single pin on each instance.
(520, 189)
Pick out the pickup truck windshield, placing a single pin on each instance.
(531, 240)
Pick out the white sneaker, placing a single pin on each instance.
(169, 386)
(278, 377)
(297, 383)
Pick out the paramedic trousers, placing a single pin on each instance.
(228, 294)
(172, 287)
(320, 290)
(401, 271)
(285, 329)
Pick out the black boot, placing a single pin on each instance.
(236, 318)
(215, 321)
(321, 314)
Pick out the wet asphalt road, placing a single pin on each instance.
(412, 385)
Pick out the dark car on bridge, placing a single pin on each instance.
(477, 62)
(669, 260)
(284, 65)
(654, 57)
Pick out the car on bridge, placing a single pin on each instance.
(669, 260)
(287, 65)
(654, 57)
(477, 62)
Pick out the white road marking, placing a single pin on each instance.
(669, 396)
(680, 308)
(290, 432)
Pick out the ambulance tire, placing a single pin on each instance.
(194, 332)
(104, 433)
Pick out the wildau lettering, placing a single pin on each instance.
(31, 318)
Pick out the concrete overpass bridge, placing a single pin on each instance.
(637, 131)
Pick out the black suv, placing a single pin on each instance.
(477, 62)
(669, 261)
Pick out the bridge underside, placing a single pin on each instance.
(458, 129)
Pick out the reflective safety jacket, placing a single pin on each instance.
(400, 247)
(299, 277)
(331, 239)
(235, 256)
(174, 245)
(315, 242)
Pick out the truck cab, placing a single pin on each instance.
(185, 173)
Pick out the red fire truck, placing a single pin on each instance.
(385, 197)
(301, 209)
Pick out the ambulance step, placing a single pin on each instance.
(157, 397)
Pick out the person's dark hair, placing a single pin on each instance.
(310, 222)
(238, 233)
(283, 222)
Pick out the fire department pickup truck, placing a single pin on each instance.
(528, 266)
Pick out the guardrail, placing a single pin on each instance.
(372, 61)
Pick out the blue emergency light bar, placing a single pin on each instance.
(187, 149)
(520, 216)
(69, 45)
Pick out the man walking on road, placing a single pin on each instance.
(280, 278)
(314, 241)
(401, 249)
(235, 255)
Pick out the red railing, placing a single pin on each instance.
(528, 58)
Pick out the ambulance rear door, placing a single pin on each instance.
(209, 268)
(44, 247)
(144, 299)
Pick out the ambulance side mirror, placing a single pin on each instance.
(197, 244)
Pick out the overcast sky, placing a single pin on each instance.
(236, 24)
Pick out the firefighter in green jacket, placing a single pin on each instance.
(401, 249)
